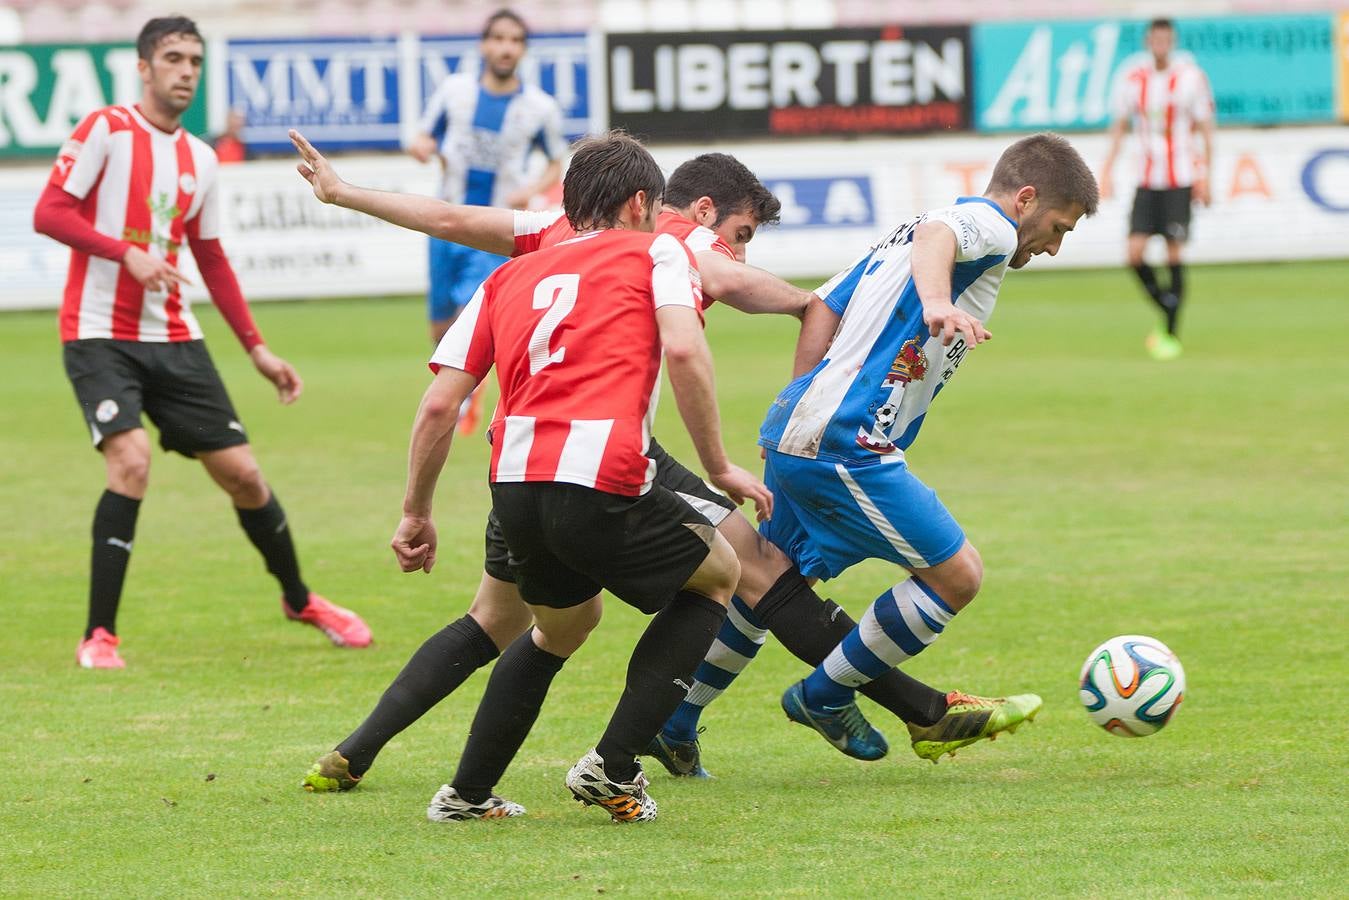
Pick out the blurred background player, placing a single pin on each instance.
(895, 326)
(484, 127)
(229, 145)
(129, 186)
(1166, 99)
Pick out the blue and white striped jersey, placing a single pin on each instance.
(485, 138)
(866, 399)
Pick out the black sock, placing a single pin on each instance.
(810, 628)
(438, 667)
(1149, 280)
(659, 674)
(1176, 297)
(114, 530)
(267, 528)
(507, 711)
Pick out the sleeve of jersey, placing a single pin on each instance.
(1201, 105)
(57, 215)
(551, 142)
(531, 227)
(702, 238)
(436, 118)
(674, 275)
(1119, 95)
(975, 237)
(223, 287)
(837, 291)
(468, 345)
(80, 161)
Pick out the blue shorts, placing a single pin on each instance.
(828, 517)
(456, 272)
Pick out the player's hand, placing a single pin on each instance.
(278, 372)
(1200, 192)
(946, 320)
(422, 148)
(316, 169)
(740, 486)
(152, 272)
(414, 543)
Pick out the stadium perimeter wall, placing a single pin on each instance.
(1279, 195)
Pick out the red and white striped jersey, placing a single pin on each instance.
(1164, 106)
(572, 332)
(149, 188)
(536, 230)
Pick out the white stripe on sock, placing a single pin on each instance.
(723, 657)
(877, 641)
(701, 694)
(742, 625)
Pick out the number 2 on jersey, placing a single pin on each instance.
(557, 294)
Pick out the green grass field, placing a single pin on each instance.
(1202, 501)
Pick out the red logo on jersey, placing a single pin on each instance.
(909, 365)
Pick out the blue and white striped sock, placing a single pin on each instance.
(736, 644)
(897, 626)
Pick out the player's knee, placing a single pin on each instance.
(503, 620)
(726, 569)
(128, 468)
(245, 485)
(966, 579)
(957, 580)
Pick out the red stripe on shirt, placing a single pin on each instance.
(1147, 139)
(130, 297)
(78, 270)
(187, 174)
(1170, 136)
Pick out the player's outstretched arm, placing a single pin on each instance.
(748, 289)
(933, 259)
(414, 541)
(480, 227)
(688, 361)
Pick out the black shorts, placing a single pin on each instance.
(670, 474)
(174, 383)
(567, 542)
(1165, 212)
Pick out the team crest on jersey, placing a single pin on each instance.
(187, 183)
(910, 364)
(877, 438)
(107, 411)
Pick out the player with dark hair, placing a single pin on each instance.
(1167, 100)
(128, 188)
(806, 625)
(577, 333)
(878, 343)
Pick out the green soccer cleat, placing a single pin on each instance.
(682, 759)
(329, 775)
(1163, 347)
(970, 719)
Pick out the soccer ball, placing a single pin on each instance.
(1131, 685)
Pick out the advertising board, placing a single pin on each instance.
(768, 83)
